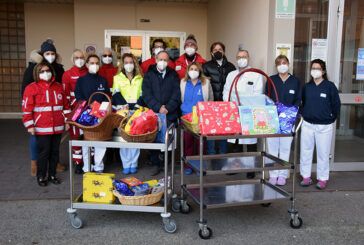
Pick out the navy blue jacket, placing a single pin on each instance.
(158, 91)
(289, 92)
(320, 104)
(90, 83)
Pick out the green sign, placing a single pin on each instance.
(285, 9)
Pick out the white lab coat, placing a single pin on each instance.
(244, 88)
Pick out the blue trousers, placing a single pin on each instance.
(33, 148)
(210, 147)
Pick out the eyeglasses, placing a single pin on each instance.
(42, 71)
(107, 55)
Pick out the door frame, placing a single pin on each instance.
(145, 38)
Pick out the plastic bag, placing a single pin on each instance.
(145, 123)
(287, 117)
(162, 128)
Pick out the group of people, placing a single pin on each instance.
(170, 88)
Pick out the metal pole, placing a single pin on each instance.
(201, 179)
(182, 162)
(263, 159)
(166, 171)
(173, 160)
(71, 171)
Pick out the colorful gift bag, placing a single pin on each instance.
(259, 120)
(287, 117)
(218, 118)
(162, 128)
(97, 188)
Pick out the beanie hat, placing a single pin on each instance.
(47, 45)
(191, 40)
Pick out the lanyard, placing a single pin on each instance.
(192, 60)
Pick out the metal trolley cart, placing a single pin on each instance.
(239, 192)
(169, 225)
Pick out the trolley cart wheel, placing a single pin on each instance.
(205, 233)
(176, 205)
(296, 222)
(169, 225)
(76, 221)
(185, 208)
(266, 204)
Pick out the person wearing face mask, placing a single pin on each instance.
(195, 87)
(289, 91)
(249, 83)
(85, 87)
(189, 56)
(48, 54)
(45, 107)
(69, 80)
(108, 68)
(217, 69)
(157, 46)
(320, 108)
(127, 90)
(161, 93)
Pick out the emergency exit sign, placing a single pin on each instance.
(285, 9)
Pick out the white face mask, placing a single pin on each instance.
(80, 63)
(282, 69)
(316, 73)
(50, 58)
(193, 74)
(162, 65)
(190, 51)
(46, 76)
(242, 63)
(106, 60)
(157, 50)
(93, 69)
(129, 67)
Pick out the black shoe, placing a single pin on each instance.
(78, 168)
(155, 170)
(250, 175)
(42, 182)
(54, 180)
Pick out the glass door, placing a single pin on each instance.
(349, 140)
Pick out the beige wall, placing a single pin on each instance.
(240, 22)
(93, 17)
(50, 20)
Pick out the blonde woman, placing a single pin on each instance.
(195, 87)
(127, 89)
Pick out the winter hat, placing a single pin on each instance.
(191, 40)
(47, 45)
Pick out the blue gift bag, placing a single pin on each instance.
(162, 128)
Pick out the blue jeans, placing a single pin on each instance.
(210, 147)
(33, 148)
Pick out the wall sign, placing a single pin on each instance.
(285, 9)
(360, 65)
(284, 49)
(90, 48)
(319, 49)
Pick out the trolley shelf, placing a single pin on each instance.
(237, 163)
(237, 194)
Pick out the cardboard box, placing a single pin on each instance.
(97, 188)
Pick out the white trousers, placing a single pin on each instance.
(319, 135)
(129, 157)
(99, 156)
(281, 148)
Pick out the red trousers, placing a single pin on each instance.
(76, 150)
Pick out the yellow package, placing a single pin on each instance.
(97, 188)
(136, 114)
(194, 115)
(123, 113)
(151, 183)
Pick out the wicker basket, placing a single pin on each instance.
(103, 130)
(139, 200)
(146, 138)
(193, 127)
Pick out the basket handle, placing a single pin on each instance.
(107, 97)
(236, 79)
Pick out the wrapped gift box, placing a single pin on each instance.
(77, 111)
(218, 118)
(97, 187)
(259, 120)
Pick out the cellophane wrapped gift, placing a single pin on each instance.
(77, 111)
(87, 120)
(97, 187)
(218, 118)
(259, 120)
(287, 115)
(162, 128)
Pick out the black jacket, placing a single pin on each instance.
(158, 91)
(28, 74)
(217, 75)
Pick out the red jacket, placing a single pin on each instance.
(45, 107)
(145, 65)
(108, 72)
(182, 62)
(69, 80)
